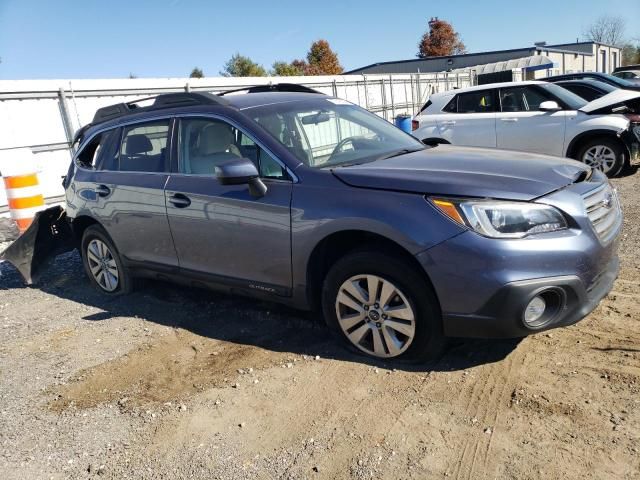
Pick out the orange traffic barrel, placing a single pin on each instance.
(24, 198)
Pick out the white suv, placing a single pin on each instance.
(536, 117)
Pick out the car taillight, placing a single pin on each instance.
(415, 124)
(634, 117)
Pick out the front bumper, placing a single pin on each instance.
(501, 316)
(483, 284)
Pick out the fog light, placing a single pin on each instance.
(535, 310)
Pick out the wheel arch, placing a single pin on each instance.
(578, 140)
(338, 244)
(80, 224)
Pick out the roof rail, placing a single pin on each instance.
(166, 100)
(273, 87)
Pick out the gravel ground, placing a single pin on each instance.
(177, 383)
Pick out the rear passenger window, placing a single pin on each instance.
(100, 149)
(144, 148)
(475, 102)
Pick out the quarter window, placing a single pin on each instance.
(144, 148)
(101, 150)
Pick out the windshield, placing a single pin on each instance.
(570, 99)
(619, 81)
(326, 132)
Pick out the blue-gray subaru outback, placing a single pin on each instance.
(282, 193)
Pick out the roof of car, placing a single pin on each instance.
(243, 101)
(489, 86)
(261, 95)
(588, 81)
(583, 74)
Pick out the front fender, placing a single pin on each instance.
(407, 219)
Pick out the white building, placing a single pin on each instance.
(557, 59)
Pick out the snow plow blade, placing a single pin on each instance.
(48, 236)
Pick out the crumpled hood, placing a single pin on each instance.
(469, 172)
(615, 98)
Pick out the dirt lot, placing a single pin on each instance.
(175, 383)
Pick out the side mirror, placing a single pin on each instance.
(240, 172)
(549, 106)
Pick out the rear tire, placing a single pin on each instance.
(102, 263)
(604, 154)
(381, 306)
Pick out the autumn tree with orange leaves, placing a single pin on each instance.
(440, 41)
(321, 60)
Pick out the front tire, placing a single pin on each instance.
(102, 262)
(382, 306)
(604, 154)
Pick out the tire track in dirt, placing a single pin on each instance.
(497, 381)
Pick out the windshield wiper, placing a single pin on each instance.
(397, 153)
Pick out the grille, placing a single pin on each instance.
(603, 210)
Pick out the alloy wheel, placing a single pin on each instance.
(102, 265)
(375, 316)
(600, 157)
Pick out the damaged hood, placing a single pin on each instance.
(611, 100)
(468, 172)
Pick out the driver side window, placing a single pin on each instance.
(521, 99)
(206, 143)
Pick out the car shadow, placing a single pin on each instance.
(629, 171)
(234, 319)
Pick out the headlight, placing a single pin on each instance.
(501, 219)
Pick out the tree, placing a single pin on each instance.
(132, 75)
(440, 41)
(196, 73)
(321, 60)
(606, 29)
(241, 66)
(630, 54)
(284, 69)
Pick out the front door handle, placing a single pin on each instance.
(179, 200)
(102, 190)
(449, 123)
(509, 119)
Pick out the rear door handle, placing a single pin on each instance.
(509, 119)
(179, 200)
(449, 122)
(102, 190)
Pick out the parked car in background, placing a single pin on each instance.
(631, 74)
(285, 194)
(535, 117)
(587, 88)
(601, 77)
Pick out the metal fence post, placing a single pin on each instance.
(66, 118)
(393, 103)
(383, 96)
(366, 93)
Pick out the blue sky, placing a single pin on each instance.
(167, 38)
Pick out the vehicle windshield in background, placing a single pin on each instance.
(573, 101)
(621, 82)
(332, 132)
